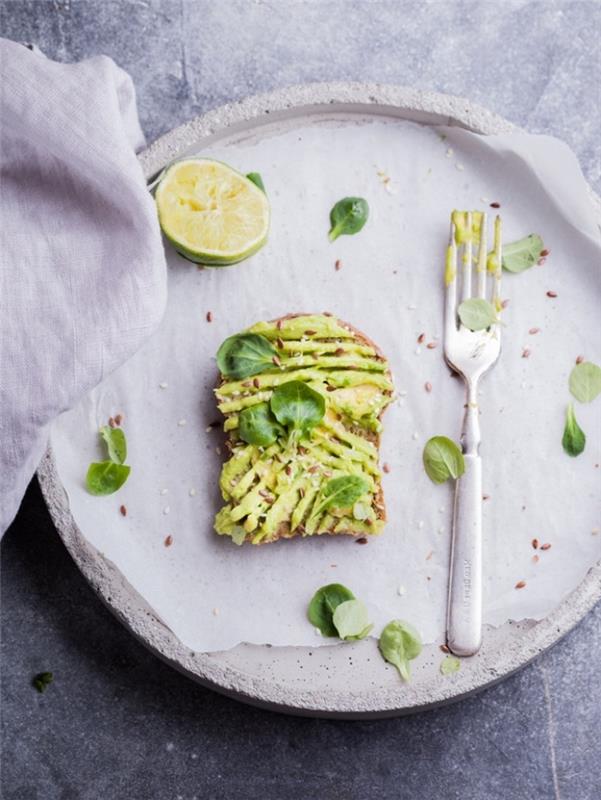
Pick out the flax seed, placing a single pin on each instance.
(386, 468)
(209, 316)
(579, 359)
(276, 361)
(525, 353)
(535, 559)
(544, 253)
(495, 205)
(431, 345)
(168, 541)
(338, 264)
(545, 546)
(123, 511)
(486, 497)
(119, 419)
(535, 544)
(520, 584)
(339, 352)
(112, 423)
(256, 383)
(504, 303)
(279, 324)
(444, 648)
(533, 331)
(280, 343)
(361, 540)
(310, 333)
(420, 338)
(551, 294)
(428, 386)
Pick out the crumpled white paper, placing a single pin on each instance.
(213, 594)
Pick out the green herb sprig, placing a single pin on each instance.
(443, 459)
(42, 681)
(574, 439)
(335, 611)
(341, 492)
(244, 355)
(477, 314)
(399, 644)
(106, 477)
(523, 254)
(347, 217)
(255, 177)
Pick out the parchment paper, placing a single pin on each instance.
(213, 594)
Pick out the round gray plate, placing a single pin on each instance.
(349, 680)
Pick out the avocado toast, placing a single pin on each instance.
(319, 475)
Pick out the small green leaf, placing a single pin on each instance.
(523, 254)
(585, 382)
(348, 216)
(105, 477)
(573, 440)
(258, 426)
(351, 620)
(477, 314)
(255, 177)
(449, 665)
(443, 459)
(341, 492)
(42, 681)
(245, 354)
(399, 644)
(115, 443)
(297, 406)
(323, 604)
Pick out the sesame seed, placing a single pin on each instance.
(163, 491)
(416, 435)
(401, 590)
(168, 541)
(123, 511)
(459, 167)
(192, 492)
(442, 509)
(166, 510)
(418, 351)
(403, 393)
(163, 385)
(279, 324)
(215, 612)
(420, 524)
(276, 361)
(411, 308)
(208, 429)
(449, 152)
(181, 423)
(441, 529)
(520, 584)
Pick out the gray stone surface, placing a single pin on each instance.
(117, 723)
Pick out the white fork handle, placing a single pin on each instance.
(464, 611)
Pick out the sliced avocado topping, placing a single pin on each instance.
(274, 492)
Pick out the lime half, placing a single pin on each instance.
(211, 213)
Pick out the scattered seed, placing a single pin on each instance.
(541, 262)
(428, 386)
(595, 532)
(444, 648)
(256, 383)
(181, 423)
(338, 264)
(279, 343)
(420, 524)
(123, 511)
(544, 253)
(368, 522)
(209, 316)
(312, 470)
(112, 423)
(430, 554)
(401, 590)
(361, 540)
(431, 345)
(551, 294)
(535, 559)
(192, 492)
(276, 361)
(328, 314)
(416, 435)
(118, 419)
(495, 205)
(545, 546)
(459, 167)
(449, 152)
(163, 385)
(579, 359)
(218, 450)
(386, 468)
(166, 510)
(168, 541)
(535, 544)
(504, 303)
(525, 353)
(441, 529)
(486, 497)
(420, 338)
(411, 308)
(533, 331)
(339, 351)
(520, 584)
(418, 351)
(310, 333)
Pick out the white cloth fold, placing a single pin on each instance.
(82, 266)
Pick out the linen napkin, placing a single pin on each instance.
(82, 267)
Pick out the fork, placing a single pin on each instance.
(471, 354)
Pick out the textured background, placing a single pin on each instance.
(119, 724)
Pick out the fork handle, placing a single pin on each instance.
(464, 611)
